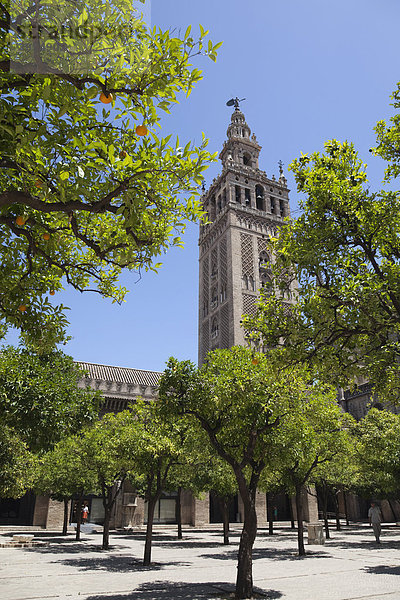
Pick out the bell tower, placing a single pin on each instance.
(245, 208)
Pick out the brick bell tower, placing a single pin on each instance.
(245, 208)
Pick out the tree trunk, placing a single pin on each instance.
(270, 514)
(149, 531)
(225, 519)
(79, 506)
(179, 513)
(65, 522)
(244, 581)
(291, 513)
(224, 508)
(345, 508)
(325, 512)
(300, 528)
(106, 528)
(338, 526)
(271, 526)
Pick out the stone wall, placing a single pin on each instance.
(201, 511)
(41, 509)
(55, 515)
(310, 505)
(261, 509)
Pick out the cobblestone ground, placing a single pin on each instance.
(350, 566)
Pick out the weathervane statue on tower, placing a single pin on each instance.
(235, 102)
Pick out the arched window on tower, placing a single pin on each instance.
(214, 328)
(247, 159)
(260, 197)
(223, 294)
(245, 282)
(264, 260)
(247, 196)
(238, 194)
(214, 298)
(252, 284)
(264, 270)
(224, 198)
(265, 281)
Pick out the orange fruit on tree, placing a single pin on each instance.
(142, 130)
(46, 236)
(106, 97)
(52, 292)
(22, 307)
(254, 361)
(20, 220)
(39, 184)
(122, 154)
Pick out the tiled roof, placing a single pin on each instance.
(121, 374)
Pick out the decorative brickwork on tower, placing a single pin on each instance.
(244, 208)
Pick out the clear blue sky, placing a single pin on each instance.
(310, 71)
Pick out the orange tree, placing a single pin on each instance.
(344, 251)
(63, 474)
(40, 399)
(243, 402)
(313, 434)
(87, 187)
(18, 466)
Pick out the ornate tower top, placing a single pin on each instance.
(241, 148)
(238, 127)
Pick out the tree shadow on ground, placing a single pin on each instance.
(382, 570)
(141, 535)
(278, 537)
(39, 534)
(367, 544)
(117, 564)
(187, 534)
(193, 542)
(362, 530)
(271, 554)
(71, 547)
(186, 545)
(165, 590)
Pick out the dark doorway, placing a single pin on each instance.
(17, 511)
(330, 506)
(215, 510)
(278, 507)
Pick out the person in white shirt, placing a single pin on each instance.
(375, 519)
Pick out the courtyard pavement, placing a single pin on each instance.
(350, 566)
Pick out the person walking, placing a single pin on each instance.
(85, 513)
(375, 519)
